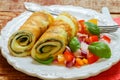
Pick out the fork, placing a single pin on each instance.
(108, 29)
(32, 7)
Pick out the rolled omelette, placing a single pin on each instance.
(21, 42)
(55, 38)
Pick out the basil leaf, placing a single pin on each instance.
(100, 49)
(74, 44)
(92, 28)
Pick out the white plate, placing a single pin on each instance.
(29, 66)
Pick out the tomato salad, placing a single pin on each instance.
(86, 48)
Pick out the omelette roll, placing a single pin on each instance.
(54, 40)
(72, 29)
(21, 42)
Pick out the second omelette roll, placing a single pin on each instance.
(55, 39)
(21, 42)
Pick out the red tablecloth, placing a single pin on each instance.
(113, 73)
(117, 20)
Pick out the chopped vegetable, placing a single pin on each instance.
(81, 62)
(61, 58)
(82, 37)
(71, 63)
(100, 49)
(106, 38)
(92, 58)
(74, 44)
(84, 53)
(81, 26)
(94, 21)
(68, 55)
(93, 38)
(77, 53)
(85, 61)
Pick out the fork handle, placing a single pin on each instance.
(106, 12)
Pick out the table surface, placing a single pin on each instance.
(12, 9)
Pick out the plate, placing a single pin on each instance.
(28, 66)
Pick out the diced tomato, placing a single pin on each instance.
(105, 37)
(81, 26)
(68, 55)
(93, 38)
(92, 58)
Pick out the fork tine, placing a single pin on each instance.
(108, 29)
